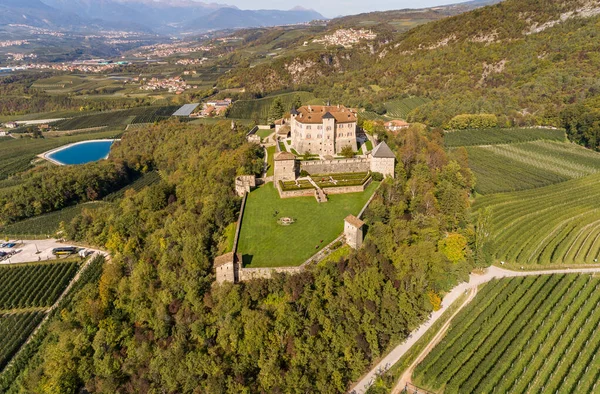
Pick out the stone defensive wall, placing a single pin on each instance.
(336, 166)
(266, 273)
(348, 189)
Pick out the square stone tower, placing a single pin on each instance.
(383, 160)
(353, 231)
(284, 167)
(227, 267)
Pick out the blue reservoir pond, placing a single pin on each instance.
(83, 152)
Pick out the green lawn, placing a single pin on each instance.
(264, 133)
(265, 243)
(271, 150)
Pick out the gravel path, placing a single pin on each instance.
(475, 280)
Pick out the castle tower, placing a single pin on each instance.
(353, 231)
(383, 160)
(284, 167)
(328, 146)
(227, 267)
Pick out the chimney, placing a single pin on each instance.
(309, 108)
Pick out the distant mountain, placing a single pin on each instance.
(230, 18)
(35, 13)
(166, 16)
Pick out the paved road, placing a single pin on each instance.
(33, 251)
(474, 281)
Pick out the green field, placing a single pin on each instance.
(502, 168)
(401, 107)
(44, 225)
(558, 224)
(259, 109)
(265, 243)
(15, 328)
(500, 136)
(16, 154)
(537, 334)
(34, 285)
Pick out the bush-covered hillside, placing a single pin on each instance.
(525, 60)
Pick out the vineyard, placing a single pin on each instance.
(502, 168)
(145, 180)
(534, 334)
(14, 331)
(34, 285)
(44, 225)
(259, 109)
(500, 136)
(16, 154)
(401, 107)
(155, 114)
(558, 224)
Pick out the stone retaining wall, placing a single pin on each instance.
(347, 189)
(336, 166)
(266, 273)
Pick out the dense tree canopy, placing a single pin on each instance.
(157, 322)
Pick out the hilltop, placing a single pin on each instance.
(526, 59)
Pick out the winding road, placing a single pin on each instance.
(475, 280)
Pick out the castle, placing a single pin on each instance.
(323, 129)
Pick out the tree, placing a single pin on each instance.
(276, 111)
(453, 247)
(347, 152)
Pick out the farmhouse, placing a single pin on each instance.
(395, 125)
(323, 129)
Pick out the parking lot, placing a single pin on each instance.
(28, 251)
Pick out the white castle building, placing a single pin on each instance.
(323, 129)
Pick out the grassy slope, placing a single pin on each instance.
(272, 245)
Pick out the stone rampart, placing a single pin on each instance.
(266, 273)
(335, 166)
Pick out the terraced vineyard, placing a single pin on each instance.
(109, 119)
(500, 136)
(537, 334)
(558, 224)
(44, 225)
(501, 168)
(145, 180)
(34, 285)
(14, 331)
(401, 107)
(250, 109)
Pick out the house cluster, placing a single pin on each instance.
(165, 50)
(395, 126)
(187, 62)
(215, 107)
(346, 37)
(85, 68)
(13, 43)
(175, 85)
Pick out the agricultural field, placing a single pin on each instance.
(155, 114)
(265, 243)
(110, 119)
(401, 107)
(503, 168)
(500, 136)
(556, 225)
(145, 180)
(259, 109)
(537, 334)
(35, 285)
(15, 328)
(16, 155)
(45, 225)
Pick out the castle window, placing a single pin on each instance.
(308, 127)
(319, 136)
(319, 127)
(308, 136)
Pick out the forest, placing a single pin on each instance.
(156, 321)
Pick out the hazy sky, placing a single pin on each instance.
(332, 8)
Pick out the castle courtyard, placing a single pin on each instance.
(268, 241)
